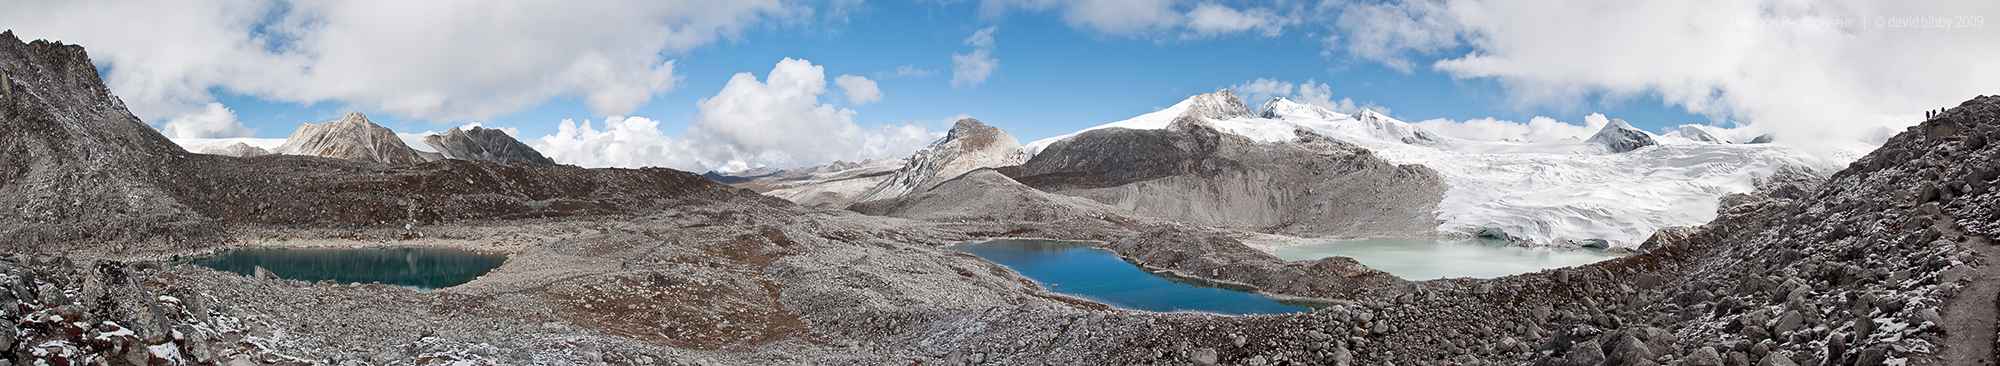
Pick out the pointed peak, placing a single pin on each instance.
(1368, 114)
(1217, 106)
(353, 116)
(1619, 137)
(1694, 133)
(969, 124)
(1619, 123)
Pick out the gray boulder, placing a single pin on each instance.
(1585, 353)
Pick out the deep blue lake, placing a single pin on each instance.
(419, 268)
(1078, 270)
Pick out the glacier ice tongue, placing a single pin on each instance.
(1544, 192)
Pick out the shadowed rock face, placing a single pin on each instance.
(352, 137)
(970, 145)
(1192, 172)
(484, 144)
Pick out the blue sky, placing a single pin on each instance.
(1477, 68)
(1054, 80)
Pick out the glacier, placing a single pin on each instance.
(1560, 193)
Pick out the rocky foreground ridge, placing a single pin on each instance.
(1885, 262)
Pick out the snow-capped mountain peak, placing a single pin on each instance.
(1694, 134)
(1221, 105)
(1280, 108)
(1548, 192)
(1619, 137)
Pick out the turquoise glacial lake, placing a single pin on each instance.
(418, 268)
(1076, 269)
(1434, 258)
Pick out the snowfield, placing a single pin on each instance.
(1562, 192)
(196, 144)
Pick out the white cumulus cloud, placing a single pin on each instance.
(212, 121)
(970, 70)
(439, 60)
(1311, 92)
(1535, 130)
(859, 90)
(777, 122)
(1155, 17)
(1834, 70)
(1210, 19)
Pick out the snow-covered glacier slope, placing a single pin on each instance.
(1550, 192)
(197, 144)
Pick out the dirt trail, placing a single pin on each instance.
(1972, 318)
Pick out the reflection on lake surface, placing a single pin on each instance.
(1434, 258)
(1077, 269)
(418, 268)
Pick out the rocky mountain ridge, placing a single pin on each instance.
(1193, 172)
(351, 137)
(484, 144)
(969, 145)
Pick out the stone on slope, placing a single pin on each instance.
(484, 144)
(352, 137)
(970, 145)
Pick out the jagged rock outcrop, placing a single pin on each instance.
(1309, 186)
(237, 149)
(970, 145)
(484, 144)
(351, 137)
(1619, 137)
